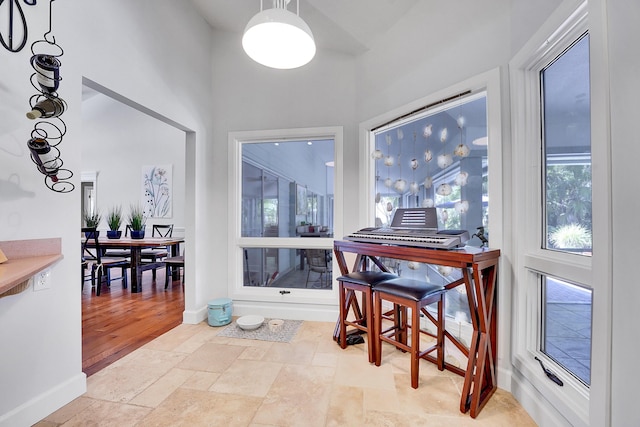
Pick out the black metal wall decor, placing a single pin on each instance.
(46, 108)
(16, 36)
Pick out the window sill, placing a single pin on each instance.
(25, 259)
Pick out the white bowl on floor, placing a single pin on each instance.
(250, 322)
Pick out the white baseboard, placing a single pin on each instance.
(536, 405)
(193, 317)
(41, 406)
(318, 313)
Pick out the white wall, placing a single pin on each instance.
(429, 50)
(129, 48)
(526, 18)
(117, 141)
(40, 332)
(624, 67)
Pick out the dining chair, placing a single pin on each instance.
(100, 264)
(162, 230)
(87, 259)
(170, 263)
(318, 262)
(122, 253)
(155, 255)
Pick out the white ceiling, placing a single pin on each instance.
(348, 26)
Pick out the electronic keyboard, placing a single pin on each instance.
(412, 227)
(389, 236)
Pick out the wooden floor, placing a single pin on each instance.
(118, 322)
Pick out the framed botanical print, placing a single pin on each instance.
(157, 185)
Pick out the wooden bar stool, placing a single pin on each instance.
(415, 295)
(363, 321)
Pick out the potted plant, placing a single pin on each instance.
(137, 222)
(92, 220)
(114, 220)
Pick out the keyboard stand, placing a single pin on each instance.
(479, 268)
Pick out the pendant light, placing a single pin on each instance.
(278, 38)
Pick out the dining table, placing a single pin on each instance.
(136, 246)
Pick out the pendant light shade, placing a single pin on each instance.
(278, 38)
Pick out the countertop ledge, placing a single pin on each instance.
(25, 259)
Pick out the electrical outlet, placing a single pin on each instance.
(42, 280)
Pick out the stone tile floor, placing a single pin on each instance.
(192, 377)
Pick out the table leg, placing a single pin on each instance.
(175, 272)
(484, 379)
(344, 270)
(484, 278)
(480, 379)
(465, 398)
(136, 271)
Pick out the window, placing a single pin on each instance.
(435, 158)
(553, 288)
(281, 209)
(285, 193)
(566, 144)
(438, 158)
(567, 326)
(566, 190)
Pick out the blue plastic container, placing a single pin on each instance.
(220, 311)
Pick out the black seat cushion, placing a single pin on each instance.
(367, 278)
(412, 289)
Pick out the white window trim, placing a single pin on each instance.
(574, 402)
(304, 304)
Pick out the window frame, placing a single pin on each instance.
(576, 403)
(320, 304)
(488, 82)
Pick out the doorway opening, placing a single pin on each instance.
(122, 139)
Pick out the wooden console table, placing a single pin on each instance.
(479, 273)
